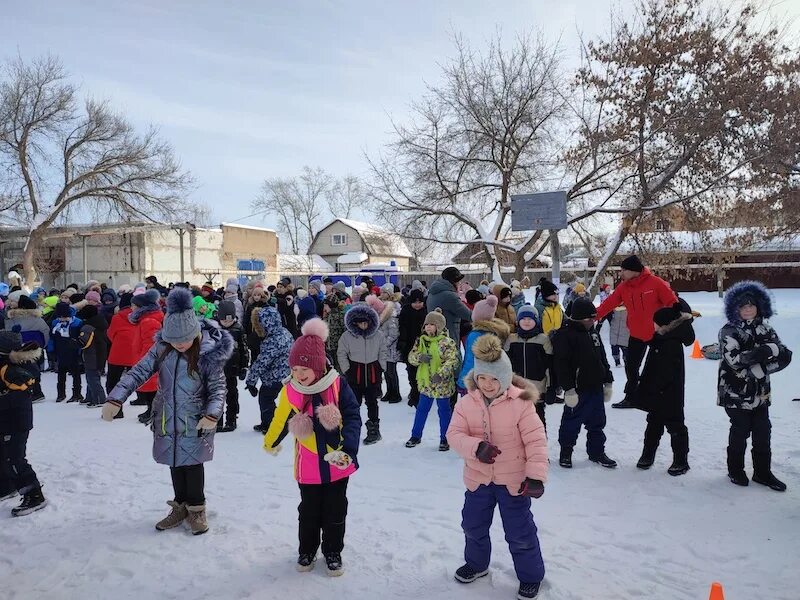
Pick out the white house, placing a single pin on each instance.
(349, 244)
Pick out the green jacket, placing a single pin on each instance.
(450, 362)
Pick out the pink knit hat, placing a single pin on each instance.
(93, 298)
(309, 349)
(376, 304)
(484, 310)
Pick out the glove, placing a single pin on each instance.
(559, 395)
(337, 458)
(608, 390)
(424, 359)
(486, 453)
(762, 354)
(274, 451)
(437, 379)
(207, 424)
(242, 374)
(533, 488)
(253, 390)
(110, 410)
(571, 398)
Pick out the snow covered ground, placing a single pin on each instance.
(605, 535)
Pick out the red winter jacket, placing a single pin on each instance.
(122, 334)
(642, 296)
(146, 329)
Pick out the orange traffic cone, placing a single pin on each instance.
(716, 592)
(697, 352)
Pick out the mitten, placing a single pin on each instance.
(340, 460)
(608, 390)
(110, 410)
(242, 374)
(253, 390)
(437, 379)
(424, 359)
(762, 354)
(532, 488)
(207, 424)
(571, 398)
(486, 453)
(274, 451)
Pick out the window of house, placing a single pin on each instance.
(662, 225)
(339, 239)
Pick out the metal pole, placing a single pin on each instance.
(180, 234)
(85, 261)
(555, 254)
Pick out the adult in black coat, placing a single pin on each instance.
(410, 323)
(662, 385)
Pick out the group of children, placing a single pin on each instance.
(497, 426)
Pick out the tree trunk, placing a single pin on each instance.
(28, 257)
(611, 249)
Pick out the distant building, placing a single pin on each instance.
(348, 245)
(118, 253)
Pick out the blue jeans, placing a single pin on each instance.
(515, 511)
(95, 394)
(591, 413)
(424, 407)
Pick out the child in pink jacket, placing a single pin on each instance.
(496, 429)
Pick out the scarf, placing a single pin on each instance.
(319, 386)
(429, 345)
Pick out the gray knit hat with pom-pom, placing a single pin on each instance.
(490, 360)
(180, 323)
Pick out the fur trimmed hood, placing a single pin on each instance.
(139, 313)
(20, 357)
(496, 326)
(758, 293)
(23, 313)
(358, 312)
(525, 389)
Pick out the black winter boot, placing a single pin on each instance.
(230, 424)
(762, 472)
(565, 458)
(373, 433)
(647, 459)
(31, 502)
(604, 461)
(736, 468)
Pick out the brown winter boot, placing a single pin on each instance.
(175, 517)
(197, 519)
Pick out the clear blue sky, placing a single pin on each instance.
(253, 89)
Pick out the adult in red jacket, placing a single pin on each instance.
(642, 293)
(121, 334)
(147, 319)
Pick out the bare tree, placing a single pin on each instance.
(683, 106)
(298, 203)
(57, 155)
(345, 195)
(484, 133)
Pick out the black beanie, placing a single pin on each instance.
(125, 300)
(26, 303)
(665, 316)
(473, 297)
(547, 287)
(582, 308)
(416, 296)
(63, 309)
(632, 263)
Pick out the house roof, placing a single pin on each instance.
(352, 258)
(301, 263)
(716, 240)
(378, 241)
(240, 226)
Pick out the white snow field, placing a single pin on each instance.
(605, 534)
